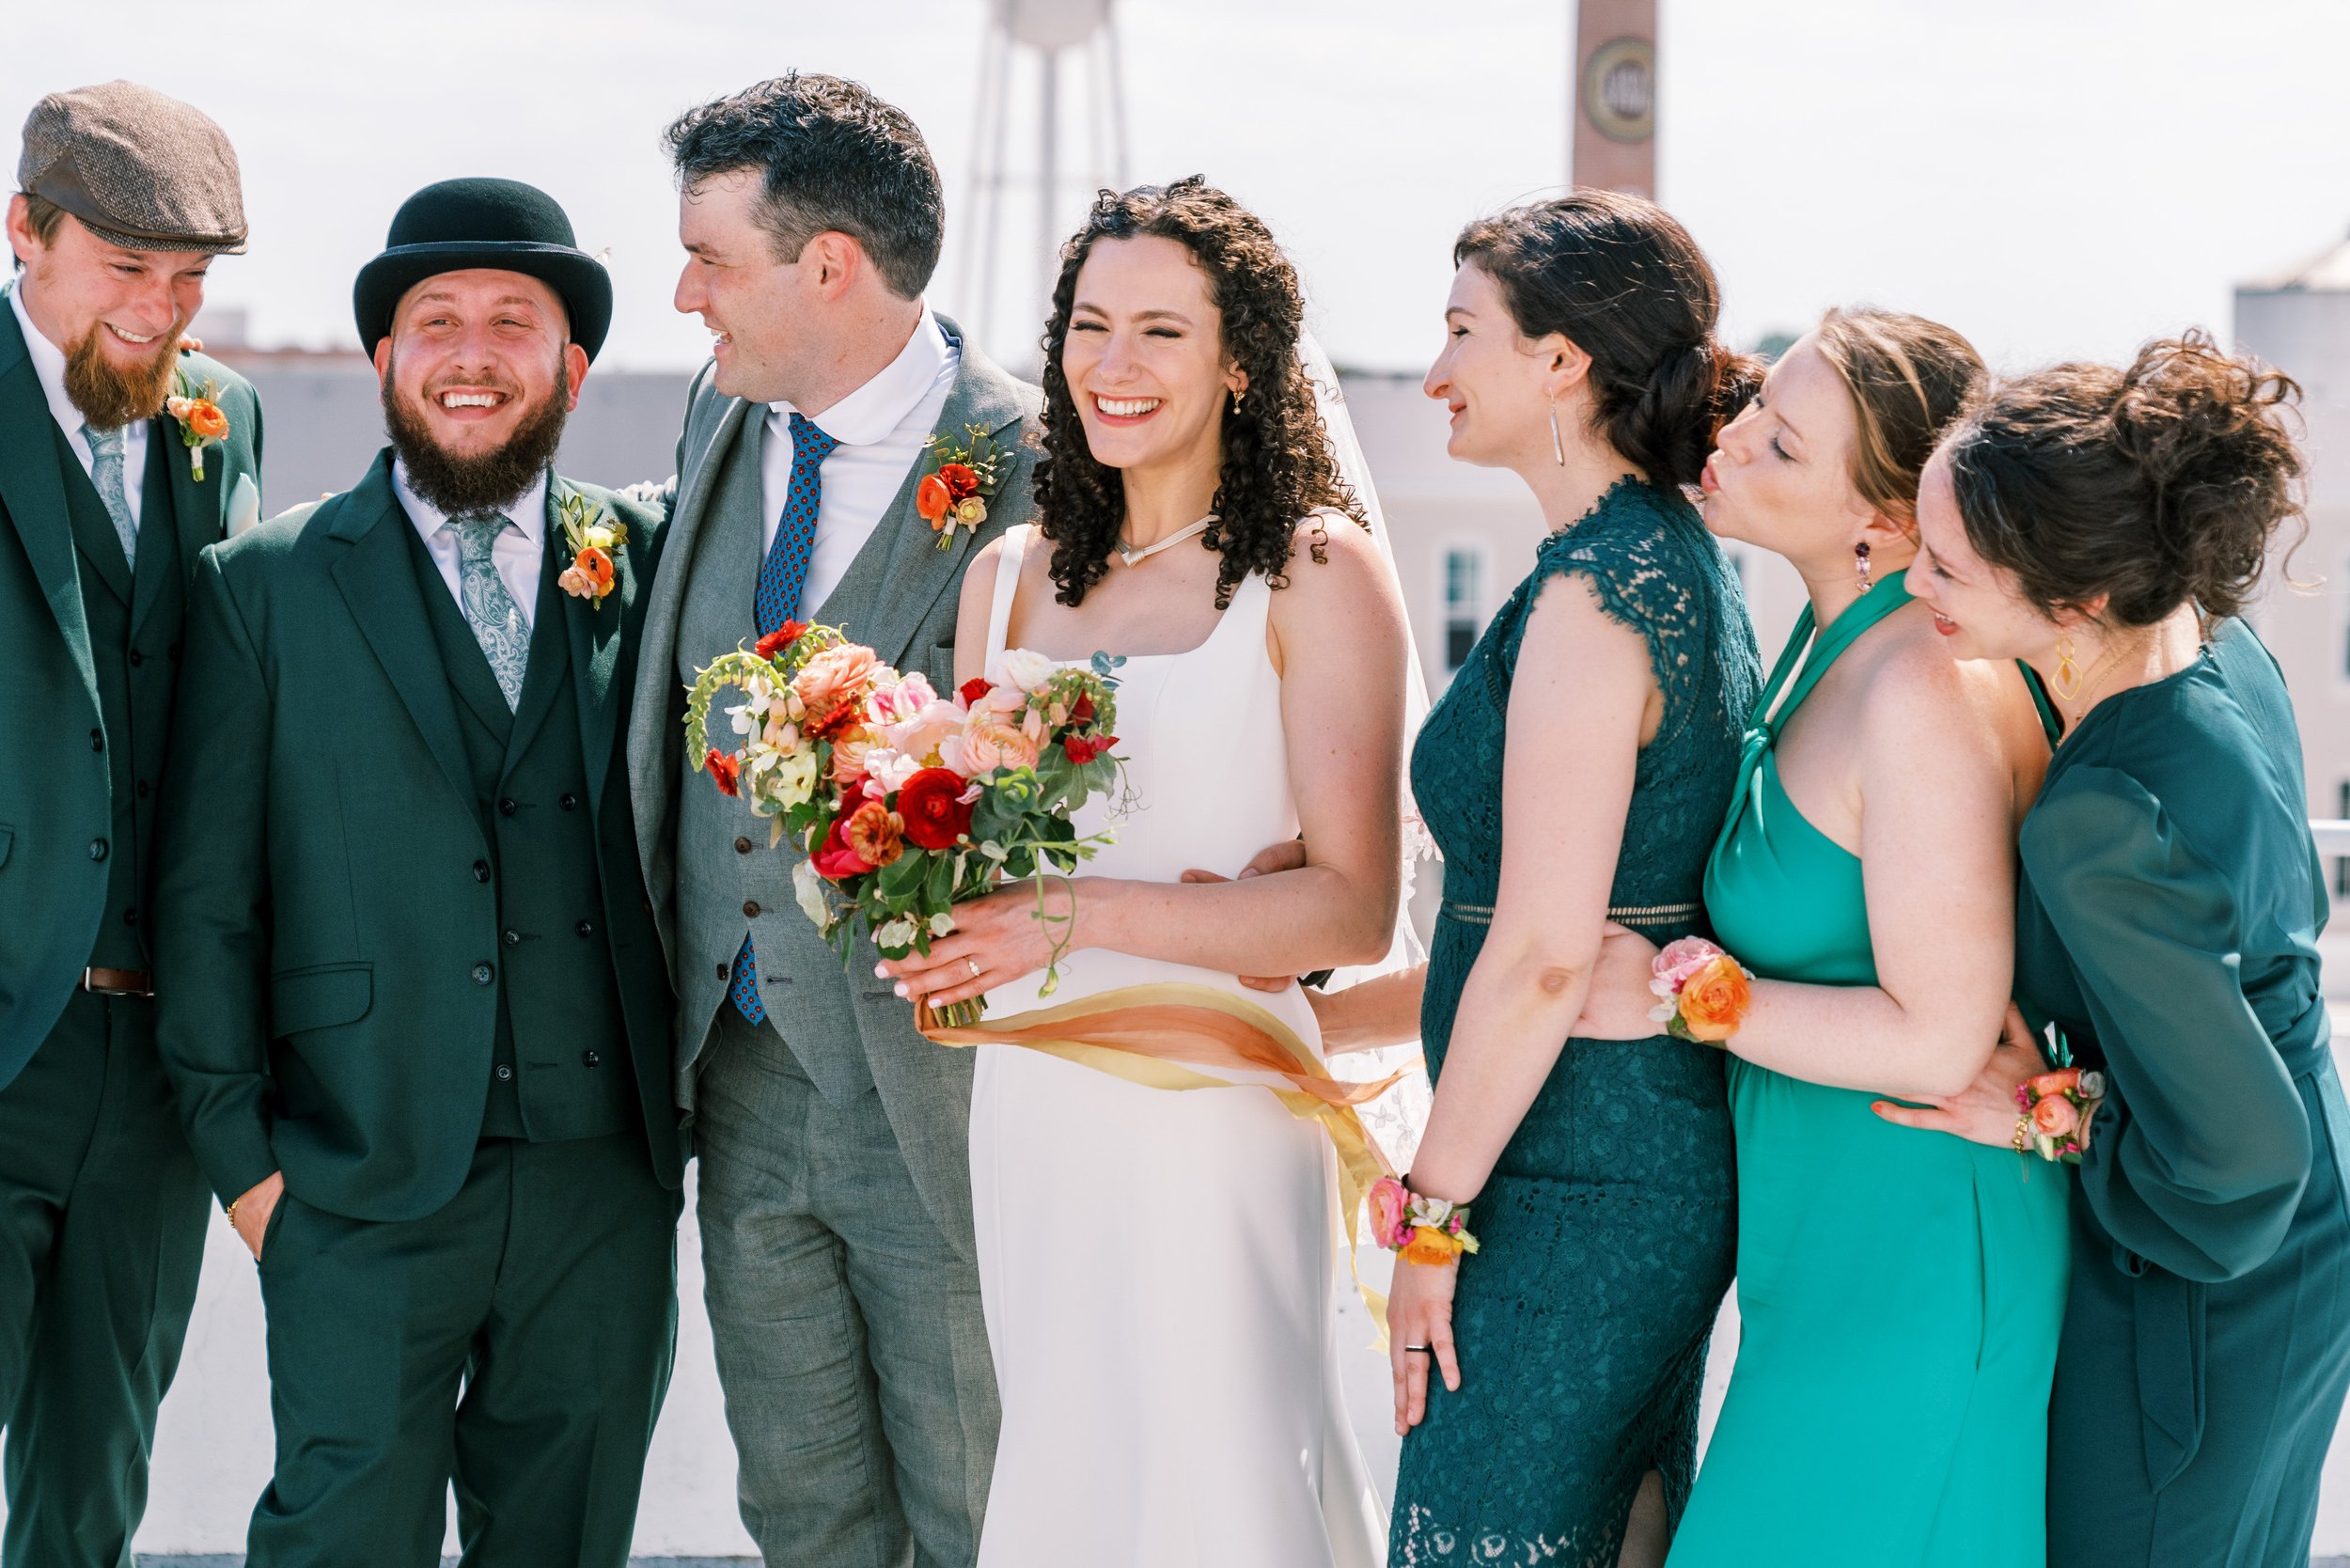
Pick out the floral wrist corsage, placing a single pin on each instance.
(2058, 1108)
(1704, 991)
(1423, 1230)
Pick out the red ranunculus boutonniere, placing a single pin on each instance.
(201, 422)
(593, 538)
(956, 493)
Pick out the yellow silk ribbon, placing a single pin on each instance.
(1161, 1036)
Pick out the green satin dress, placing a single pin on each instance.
(1900, 1293)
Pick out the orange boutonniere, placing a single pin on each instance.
(594, 538)
(201, 422)
(956, 493)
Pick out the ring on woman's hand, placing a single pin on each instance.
(975, 966)
(1414, 1350)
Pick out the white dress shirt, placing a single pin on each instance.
(49, 365)
(518, 551)
(882, 428)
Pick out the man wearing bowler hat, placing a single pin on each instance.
(125, 196)
(413, 1003)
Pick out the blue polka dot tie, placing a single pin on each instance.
(781, 576)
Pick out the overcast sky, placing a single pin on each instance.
(2052, 176)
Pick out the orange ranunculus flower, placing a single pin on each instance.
(597, 564)
(2055, 1116)
(2062, 1081)
(1430, 1245)
(931, 499)
(876, 833)
(206, 420)
(1714, 1002)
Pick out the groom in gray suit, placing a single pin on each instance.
(835, 1191)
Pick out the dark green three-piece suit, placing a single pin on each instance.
(102, 1208)
(406, 958)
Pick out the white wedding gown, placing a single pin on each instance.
(1156, 1264)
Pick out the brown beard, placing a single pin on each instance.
(489, 482)
(110, 396)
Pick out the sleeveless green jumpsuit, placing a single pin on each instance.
(1900, 1293)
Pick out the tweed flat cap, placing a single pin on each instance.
(141, 170)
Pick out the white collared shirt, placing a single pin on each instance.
(881, 429)
(49, 365)
(518, 551)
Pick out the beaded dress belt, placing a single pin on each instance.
(1623, 915)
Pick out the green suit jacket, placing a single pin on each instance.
(56, 796)
(326, 904)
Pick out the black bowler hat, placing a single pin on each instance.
(502, 224)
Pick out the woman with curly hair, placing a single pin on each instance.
(2107, 526)
(1155, 1238)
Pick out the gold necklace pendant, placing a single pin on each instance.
(2066, 683)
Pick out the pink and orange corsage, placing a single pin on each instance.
(593, 539)
(1418, 1228)
(2058, 1108)
(201, 422)
(955, 493)
(1705, 991)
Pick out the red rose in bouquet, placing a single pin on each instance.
(835, 859)
(931, 806)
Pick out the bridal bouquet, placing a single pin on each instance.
(903, 803)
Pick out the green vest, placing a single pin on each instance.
(134, 623)
(560, 1065)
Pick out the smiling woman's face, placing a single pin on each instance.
(1144, 358)
(1976, 607)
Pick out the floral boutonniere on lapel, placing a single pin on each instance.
(956, 493)
(592, 536)
(201, 422)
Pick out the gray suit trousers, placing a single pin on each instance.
(849, 1333)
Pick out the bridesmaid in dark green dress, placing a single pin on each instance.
(1575, 770)
(2105, 527)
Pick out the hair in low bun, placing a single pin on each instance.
(1621, 279)
(2154, 486)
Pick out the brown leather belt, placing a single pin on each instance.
(119, 982)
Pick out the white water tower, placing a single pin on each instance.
(1052, 65)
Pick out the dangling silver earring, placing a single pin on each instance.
(1557, 446)
(1860, 565)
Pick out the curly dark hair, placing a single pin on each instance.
(2154, 486)
(1277, 466)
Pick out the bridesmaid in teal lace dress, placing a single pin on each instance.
(2107, 525)
(1899, 1297)
(1574, 771)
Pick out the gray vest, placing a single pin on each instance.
(729, 883)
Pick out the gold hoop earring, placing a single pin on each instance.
(1860, 565)
(1557, 446)
(2066, 683)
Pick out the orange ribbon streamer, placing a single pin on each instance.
(1161, 1036)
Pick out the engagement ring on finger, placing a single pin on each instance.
(975, 966)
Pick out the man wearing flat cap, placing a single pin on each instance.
(124, 198)
(413, 1003)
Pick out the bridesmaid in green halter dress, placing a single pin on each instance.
(1900, 1301)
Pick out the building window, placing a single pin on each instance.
(1463, 605)
(2341, 862)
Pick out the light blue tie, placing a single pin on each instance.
(497, 620)
(105, 472)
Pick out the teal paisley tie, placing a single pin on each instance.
(497, 620)
(105, 472)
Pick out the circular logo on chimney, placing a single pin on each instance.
(1620, 89)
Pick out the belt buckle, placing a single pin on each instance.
(100, 982)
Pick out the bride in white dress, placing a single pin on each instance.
(1156, 1262)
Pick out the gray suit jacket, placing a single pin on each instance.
(900, 596)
